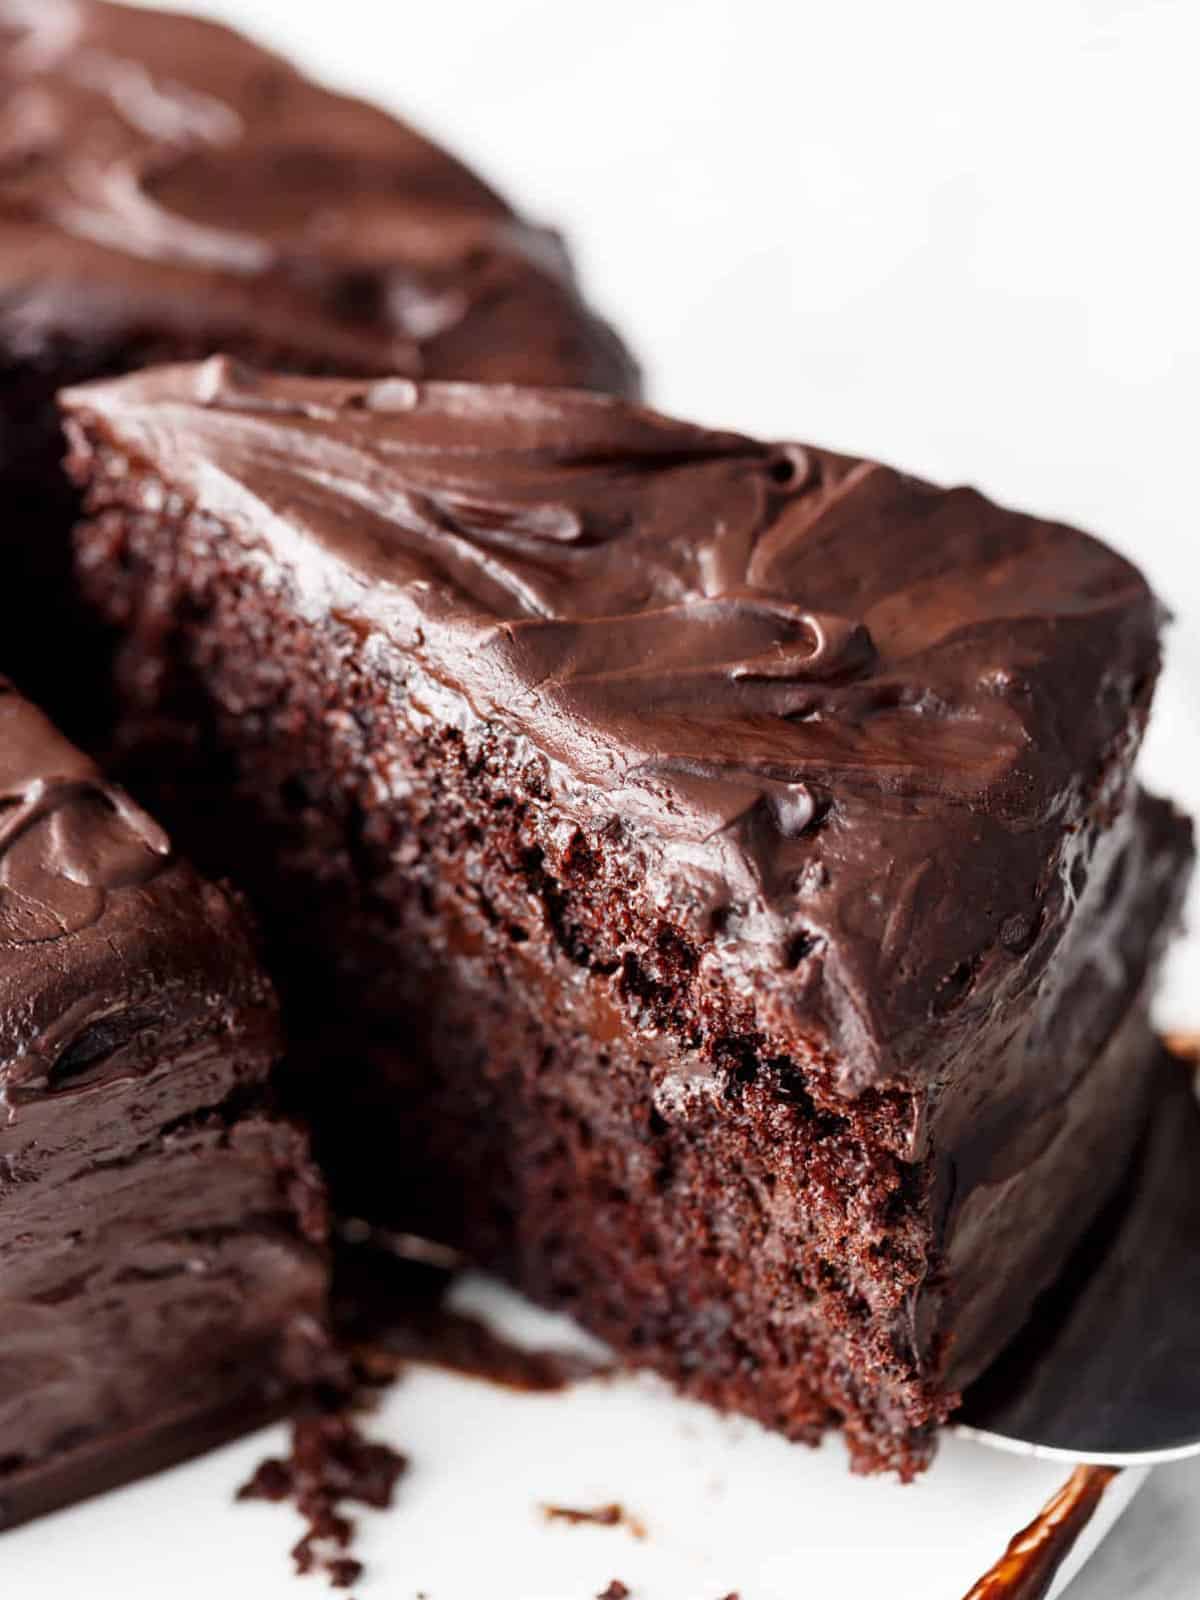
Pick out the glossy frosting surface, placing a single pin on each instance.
(159, 1259)
(67, 838)
(874, 724)
(107, 939)
(160, 174)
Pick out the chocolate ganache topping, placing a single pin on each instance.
(855, 715)
(67, 838)
(104, 931)
(160, 173)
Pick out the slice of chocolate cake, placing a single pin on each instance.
(161, 1261)
(706, 875)
(169, 189)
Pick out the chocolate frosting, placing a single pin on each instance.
(872, 727)
(161, 1276)
(159, 174)
(102, 927)
(67, 838)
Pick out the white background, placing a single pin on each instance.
(961, 236)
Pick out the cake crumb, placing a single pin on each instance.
(330, 1463)
(344, 1571)
(615, 1591)
(602, 1516)
(272, 1480)
(613, 1515)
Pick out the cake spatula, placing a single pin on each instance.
(1109, 1368)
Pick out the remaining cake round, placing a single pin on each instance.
(163, 179)
(162, 1263)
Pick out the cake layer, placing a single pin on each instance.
(169, 189)
(726, 853)
(160, 1236)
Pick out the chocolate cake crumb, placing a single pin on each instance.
(613, 1515)
(389, 1309)
(601, 1516)
(272, 1480)
(344, 1571)
(615, 1591)
(330, 1463)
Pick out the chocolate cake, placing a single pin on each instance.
(706, 875)
(161, 1262)
(169, 189)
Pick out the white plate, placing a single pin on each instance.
(725, 1507)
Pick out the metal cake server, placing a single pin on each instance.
(1109, 1369)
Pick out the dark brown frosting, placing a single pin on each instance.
(67, 838)
(159, 1239)
(95, 912)
(162, 176)
(871, 726)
